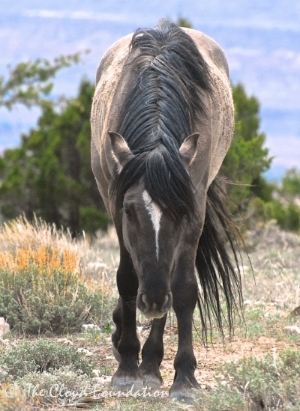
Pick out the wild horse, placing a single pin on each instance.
(162, 122)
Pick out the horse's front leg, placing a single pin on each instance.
(185, 293)
(152, 355)
(126, 344)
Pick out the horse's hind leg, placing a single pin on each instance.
(185, 292)
(152, 355)
(125, 341)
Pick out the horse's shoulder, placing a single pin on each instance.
(209, 48)
(120, 47)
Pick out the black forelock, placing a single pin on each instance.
(160, 111)
(165, 179)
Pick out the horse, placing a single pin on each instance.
(162, 121)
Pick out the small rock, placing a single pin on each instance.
(90, 327)
(97, 265)
(292, 329)
(85, 351)
(65, 341)
(4, 327)
(104, 379)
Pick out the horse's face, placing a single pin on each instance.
(152, 238)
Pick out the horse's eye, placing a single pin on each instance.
(128, 213)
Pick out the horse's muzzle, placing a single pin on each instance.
(154, 309)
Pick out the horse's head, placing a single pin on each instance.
(152, 237)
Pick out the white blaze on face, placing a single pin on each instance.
(155, 215)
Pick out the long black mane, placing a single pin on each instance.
(163, 106)
(160, 111)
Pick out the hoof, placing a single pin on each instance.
(150, 376)
(152, 382)
(127, 382)
(184, 390)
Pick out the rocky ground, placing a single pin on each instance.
(271, 282)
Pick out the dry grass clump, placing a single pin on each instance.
(275, 259)
(97, 256)
(20, 233)
(16, 402)
(42, 284)
(46, 261)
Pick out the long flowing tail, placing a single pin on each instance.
(217, 265)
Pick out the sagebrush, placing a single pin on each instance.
(43, 290)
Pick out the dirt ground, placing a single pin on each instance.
(271, 292)
(209, 358)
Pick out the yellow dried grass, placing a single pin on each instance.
(24, 244)
(46, 260)
(22, 234)
(12, 398)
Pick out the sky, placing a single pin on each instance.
(261, 40)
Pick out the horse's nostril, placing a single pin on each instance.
(154, 307)
(144, 299)
(168, 302)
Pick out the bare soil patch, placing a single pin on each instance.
(271, 293)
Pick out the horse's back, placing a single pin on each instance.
(208, 47)
(221, 103)
(110, 94)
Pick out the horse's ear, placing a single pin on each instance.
(121, 151)
(188, 149)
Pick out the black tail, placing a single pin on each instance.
(217, 264)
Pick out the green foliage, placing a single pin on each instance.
(42, 356)
(50, 174)
(29, 82)
(92, 219)
(41, 291)
(246, 159)
(184, 22)
(59, 387)
(291, 183)
(283, 208)
(251, 384)
(286, 214)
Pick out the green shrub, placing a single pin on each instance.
(92, 219)
(41, 290)
(59, 387)
(287, 215)
(252, 384)
(42, 356)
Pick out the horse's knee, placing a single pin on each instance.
(117, 313)
(184, 296)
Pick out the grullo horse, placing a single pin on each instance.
(162, 122)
